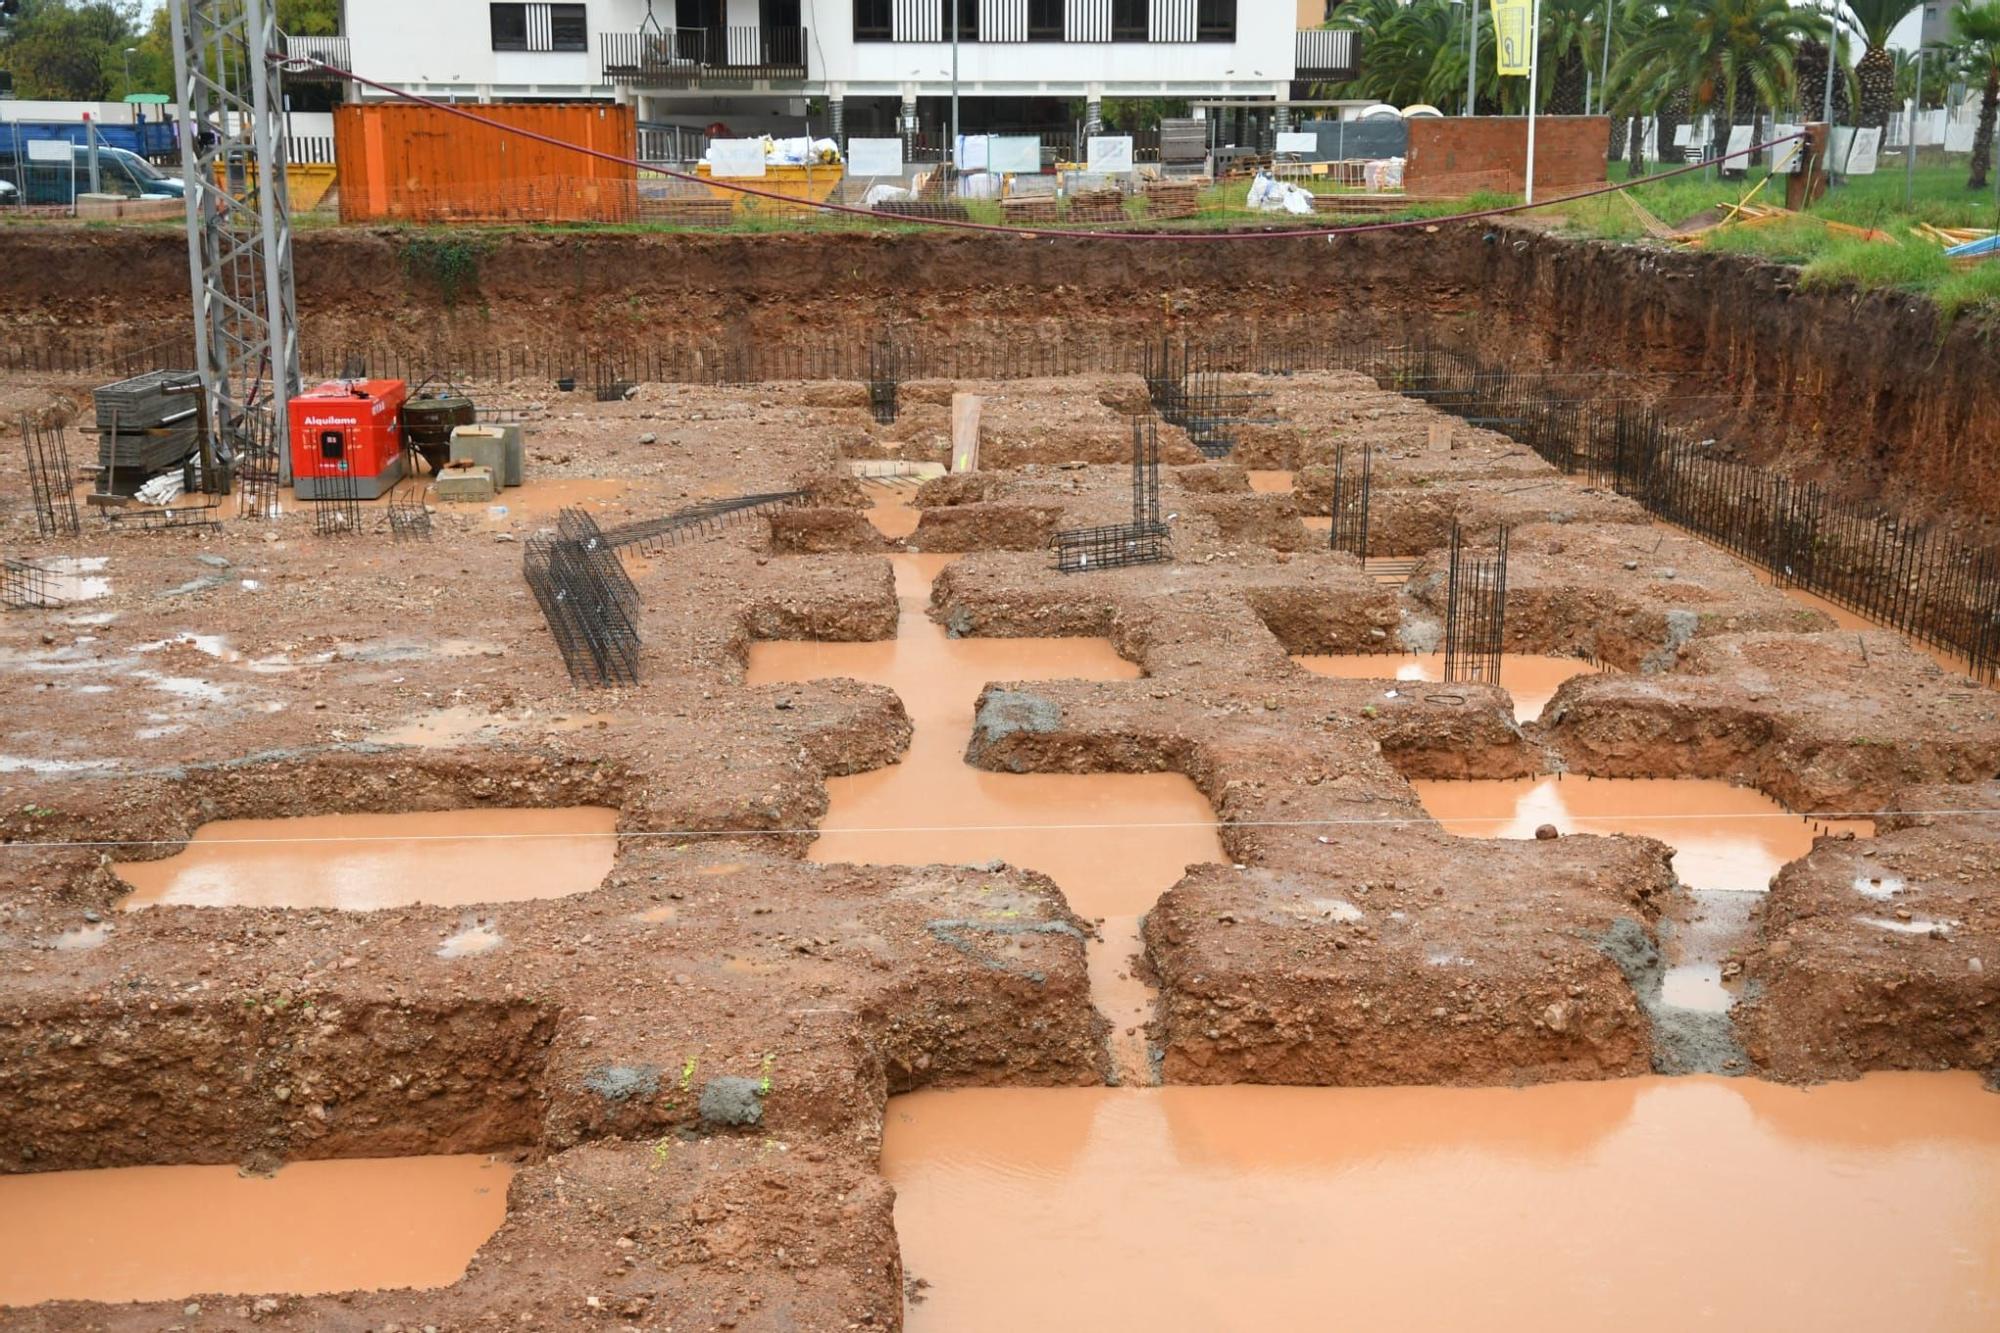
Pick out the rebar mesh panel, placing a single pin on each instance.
(336, 504)
(1475, 611)
(1351, 477)
(579, 529)
(888, 366)
(51, 481)
(24, 584)
(254, 445)
(654, 535)
(1146, 472)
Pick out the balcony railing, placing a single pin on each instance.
(1328, 53)
(332, 50)
(692, 57)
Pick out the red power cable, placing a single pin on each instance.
(990, 228)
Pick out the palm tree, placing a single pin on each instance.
(1872, 21)
(1720, 51)
(1572, 35)
(1978, 26)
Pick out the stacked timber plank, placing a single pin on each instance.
(1029, 210)
(949, 210)
(1174, 198)
(1104, 205)
(142, 429)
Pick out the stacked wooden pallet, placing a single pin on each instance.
(1174, 198)
(142, 428)
(1029, 210)
(950, 210)
(691, 210)
(1105, 205)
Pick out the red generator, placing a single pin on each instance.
(347, 439)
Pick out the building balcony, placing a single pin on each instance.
(332, 50)
(704, 57)
(1327, 54)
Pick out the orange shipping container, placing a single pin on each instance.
(405, 163)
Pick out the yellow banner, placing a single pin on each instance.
(1510, 32)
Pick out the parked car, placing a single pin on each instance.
(119, 171)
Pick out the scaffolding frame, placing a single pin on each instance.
(227, 57)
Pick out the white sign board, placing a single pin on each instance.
(1930, 127)
(1859, 159)
(1787, 157)
(735, 157)
(972, 151)
(50, 150)
(1016, 154)
(1294, 141)
(874, 157)
(1958, 136)
(1111, 154)
(1681, 133)
(1739, 143)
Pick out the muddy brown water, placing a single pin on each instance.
(1532, 680)
(1113, 841)
(1728, 842)
(366, 861)
(1724, 837)
(153, 1233)
(1639, 1204)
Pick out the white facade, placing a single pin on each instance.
(445, 48)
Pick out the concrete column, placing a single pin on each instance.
(836, 121)
(908, 123)
(1093, 116)
(1282, 118)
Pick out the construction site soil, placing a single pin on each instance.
(687, 1065)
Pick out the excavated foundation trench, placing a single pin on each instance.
(660, 1044)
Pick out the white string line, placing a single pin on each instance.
(1394, 821)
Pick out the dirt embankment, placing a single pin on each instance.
(1865, 388)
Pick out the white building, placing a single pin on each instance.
(868, 66)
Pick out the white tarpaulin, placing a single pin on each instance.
(874, 157)
(1293, 141)
(1016, 154)
(1854, 153)
(1958, 136)
(735, 157)
(971, 152)
(1273, 196)
(1111, 154)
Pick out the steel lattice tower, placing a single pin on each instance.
(239, 228)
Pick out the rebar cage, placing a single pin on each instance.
(1475, 622)
(1349, 531)
(1143, 541)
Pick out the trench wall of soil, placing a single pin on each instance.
(1868, 389)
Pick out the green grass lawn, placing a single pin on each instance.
(1826, 258)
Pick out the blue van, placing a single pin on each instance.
(119, 171)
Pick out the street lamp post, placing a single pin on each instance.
(1826, 106)
(954, 87)
(1472, 60)
(1534, 75)
(130, 51)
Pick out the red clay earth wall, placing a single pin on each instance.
(1862, 387)
(1454, 156)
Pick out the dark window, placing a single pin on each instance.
(772, 14)
(871, 21)
(510, 27)
(569, 28)
(968, 20)
(1215, 20)
(1128, 20)
(1045, 20)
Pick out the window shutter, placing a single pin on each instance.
(918, 21)
(1087, 21)
(1003, 20)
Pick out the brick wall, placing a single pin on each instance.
(1456, 155)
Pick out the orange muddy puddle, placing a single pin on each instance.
(1724, 837)
(360, 862)
(1113, 841)
(153, 1233)
(890, 509)
(1269, 482)
(1638, 1205)
(1532, 680)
